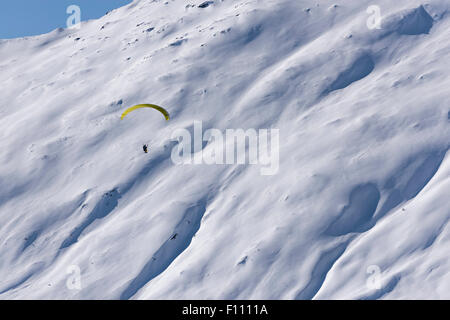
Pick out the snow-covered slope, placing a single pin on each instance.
(359, 207)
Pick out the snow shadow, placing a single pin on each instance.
(35, 268)
(178, 242)
(357, 214)
(244, 36)
(364, 208)
(415, 22)
(320, 271)
(104, 207)
(410, 179)
(360, 69)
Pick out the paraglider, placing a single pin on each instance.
(153, 106)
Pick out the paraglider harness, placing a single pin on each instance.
(145, 147)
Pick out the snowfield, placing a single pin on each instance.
(358, 209)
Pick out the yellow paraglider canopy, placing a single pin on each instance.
(154, 106)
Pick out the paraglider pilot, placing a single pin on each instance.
(145, 147)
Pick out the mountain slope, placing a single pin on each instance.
(363, 178)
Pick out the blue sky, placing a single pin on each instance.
(19, 18)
